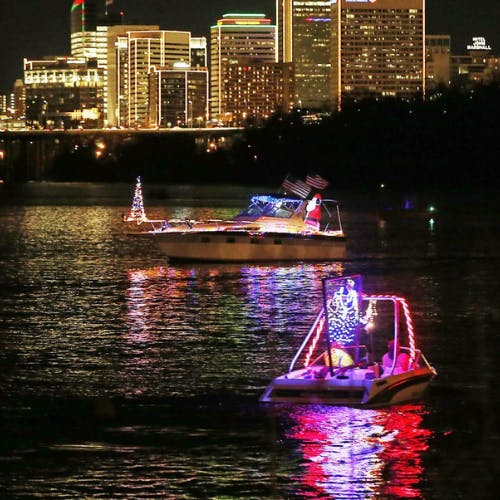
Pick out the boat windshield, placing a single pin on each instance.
(270, 206)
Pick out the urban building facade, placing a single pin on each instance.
(18, 100)
(198, 47)
(63, 92)
(236, 37)
(319, 53)
(477, 66)
(378, 49)
(107, 59)
(148, 49)
(254, 90)
(304, 39)
(3, 106)
(178, 97)
(437, 60)
(83, 28)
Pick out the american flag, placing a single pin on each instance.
(296, 186)
(316, 181)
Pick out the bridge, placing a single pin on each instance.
(39, 155)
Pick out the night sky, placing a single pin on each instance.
(34, 28)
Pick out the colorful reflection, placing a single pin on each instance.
(268, 294)
(148, 296)
(227, 320)
(358, 453)
(278, 291)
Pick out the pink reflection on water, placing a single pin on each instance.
(359, 453)
(166, 293)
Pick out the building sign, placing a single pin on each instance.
(478, 43)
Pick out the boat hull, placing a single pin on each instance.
(353, 387)
(227, 246)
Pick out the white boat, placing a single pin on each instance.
(342, 361)
(272, 228)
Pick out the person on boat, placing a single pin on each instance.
(339, 357)
(402, 360)
(313, 212)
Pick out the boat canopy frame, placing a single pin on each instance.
(318, 329)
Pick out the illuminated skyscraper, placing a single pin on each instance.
(178, 96)
(18, 99)
(304, 38)
(236, 37)
(106, 52)
(199, 52)
(83, 28)
(378, 49)
(254, 90)
(3, 106)
(148, 50)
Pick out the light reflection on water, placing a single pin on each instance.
(227, 320)
(349, 453)
(123, 375)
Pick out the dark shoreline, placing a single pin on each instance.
(450, 141)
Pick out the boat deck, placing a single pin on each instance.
(316, 384)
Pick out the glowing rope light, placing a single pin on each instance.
(344, 309)
(370, 313)
(315, 339)
(409, 325)
(409, 320)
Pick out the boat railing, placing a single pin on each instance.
(316, 328)
(330, 215)
(427, 364)
(419, 356)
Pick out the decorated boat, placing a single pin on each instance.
(341, 360)
(296, 224)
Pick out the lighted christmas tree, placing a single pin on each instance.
(137, 213)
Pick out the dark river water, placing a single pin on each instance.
(124, 376)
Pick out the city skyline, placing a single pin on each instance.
(31, 32)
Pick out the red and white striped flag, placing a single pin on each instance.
(316, 181)
(296, 186)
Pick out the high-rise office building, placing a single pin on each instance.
(437, 60)
(237, 36)
(255, 90)
(63, 92)
(378, 49)
(3, 106)
(18, 106)
(85, 20)
(147, 50)
(122, 80)
(83, 28)
(107, 53)
(199, 52)
(178, 96)
(304, 38)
